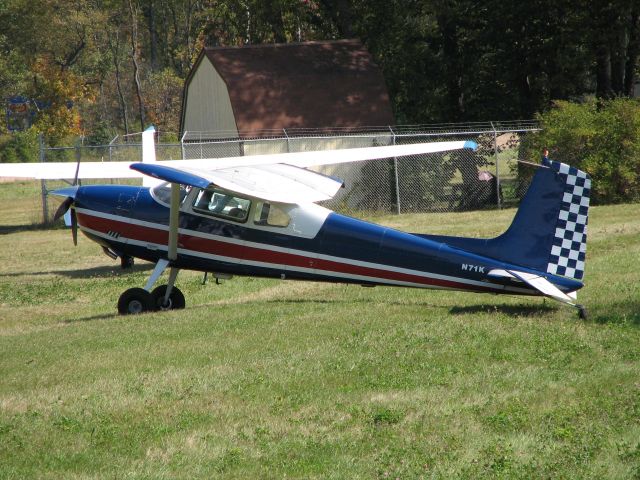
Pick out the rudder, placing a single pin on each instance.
(567, 257)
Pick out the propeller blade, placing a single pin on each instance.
(74, 227)
(62, 209)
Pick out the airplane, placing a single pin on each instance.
(258, 216)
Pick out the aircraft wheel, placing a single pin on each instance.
(582, 312)
(134, 301)
(176, 299)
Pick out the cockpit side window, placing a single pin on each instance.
(162, 193)
(218, 203)
(271, 215)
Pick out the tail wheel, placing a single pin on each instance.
(582, 312)
(134, 301)
(176, 299)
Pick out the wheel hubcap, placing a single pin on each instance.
(135, 306)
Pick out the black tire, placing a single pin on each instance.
(176, 299)
(582, 312)
(134, 301)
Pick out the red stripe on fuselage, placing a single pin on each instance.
(242, 252)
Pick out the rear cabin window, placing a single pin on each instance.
(218, 203)
(271, 215)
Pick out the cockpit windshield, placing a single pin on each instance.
(162, 193)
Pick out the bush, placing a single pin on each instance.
(599, 137)
(19, 147)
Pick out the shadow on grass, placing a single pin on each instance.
(522, 310)
(31, 227)
(618, 313)
(103, 316)
(365, 301)
(105, 271)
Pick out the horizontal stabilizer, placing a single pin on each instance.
(543, 285)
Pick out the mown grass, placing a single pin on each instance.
(267, 379)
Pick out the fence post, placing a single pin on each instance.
(111, 147)
(495, 150)
(76, 181)
(182, 145)
(395, 174)
(43, 183)
(286, 135)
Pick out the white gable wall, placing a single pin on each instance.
(208, 106)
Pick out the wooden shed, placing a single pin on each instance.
(256, 88)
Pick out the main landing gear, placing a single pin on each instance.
(164, 297)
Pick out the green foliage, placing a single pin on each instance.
(600, 137)
(19, 147)
(103, 132)
(442, 61)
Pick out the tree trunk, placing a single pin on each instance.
(115, 52)
(341, 14)
(150, 14)
(633, 53)
(603, 72)
(134, 59)
(453, 73)
(619, 54)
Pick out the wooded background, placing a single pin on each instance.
(114, 66)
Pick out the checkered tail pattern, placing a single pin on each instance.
(570, 241)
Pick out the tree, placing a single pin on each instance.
(600, 137)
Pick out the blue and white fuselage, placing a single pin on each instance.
(309, 243)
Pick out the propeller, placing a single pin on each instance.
(62, 209)
(66, 205)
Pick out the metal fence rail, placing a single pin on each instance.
(439, 182)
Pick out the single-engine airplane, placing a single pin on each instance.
(258, 216)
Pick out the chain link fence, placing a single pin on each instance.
(438, 182)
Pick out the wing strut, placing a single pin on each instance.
(172, 254)
(173, 221)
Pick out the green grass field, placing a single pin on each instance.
(270, 379)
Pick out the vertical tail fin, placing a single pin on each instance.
(549, 231)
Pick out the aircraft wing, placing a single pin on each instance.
(282, 177)
(83, 170)
(272, 182)
(325, 157)
(67, 170)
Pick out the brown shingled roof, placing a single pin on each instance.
(310, 85)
